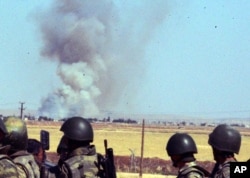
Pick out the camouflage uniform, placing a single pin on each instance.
(8, 168)
(26, 163)
(224, 170)
(81, 162)
(191, 170)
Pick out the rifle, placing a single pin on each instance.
(108, 162)
(44, 139)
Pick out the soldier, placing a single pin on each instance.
(35, 147)
(225, 141)
(81, 156)
(17, 138)
(181, 148)
(7, 166)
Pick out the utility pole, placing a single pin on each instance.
(21, 110)
(142, 149)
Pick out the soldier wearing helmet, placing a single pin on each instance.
(17, 138)
(7, 167)
(181, 148)
(225, 142)
(81, 156)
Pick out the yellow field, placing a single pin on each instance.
(124, 137)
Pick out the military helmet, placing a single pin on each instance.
(78, 128)
(180, 143)
(2, 127)
(225, 138)
(17, 136)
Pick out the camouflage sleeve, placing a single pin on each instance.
(21, 172)
(194, 175)
(223, 173)
(226, 172)
(8, 169)
(64, 172)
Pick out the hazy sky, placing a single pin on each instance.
(143, 57)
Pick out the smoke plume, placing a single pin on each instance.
(99, 52)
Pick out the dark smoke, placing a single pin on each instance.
(98, 51)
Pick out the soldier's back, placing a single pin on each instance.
(8, 168)
(192, 170)
(27, 163)
(80, 165)
(191, 174)
(224, 171)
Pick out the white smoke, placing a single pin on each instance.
(97, 55)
